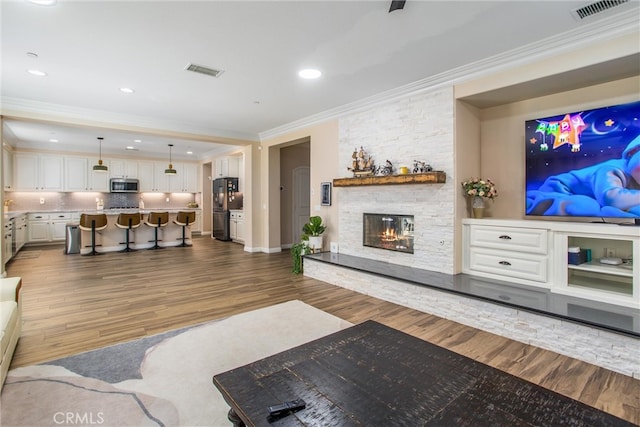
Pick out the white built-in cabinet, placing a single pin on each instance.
(48, 172)
(227, 167)
(7, 169)
(123, 168)
(38, 172)
(47, 227)
(236, 226)
(80, 176)
(153, 179)
(536, 253)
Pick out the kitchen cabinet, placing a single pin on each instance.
(123, 168)
(153, 179)
(80, 176)
(236, 226)
(7, 241)
(19, 232)
(38, 172)
(7, 169)
(227, 167)
(47, 227)
(186, 179)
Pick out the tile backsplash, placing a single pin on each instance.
(52, 201)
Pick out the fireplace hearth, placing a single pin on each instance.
(387, 231)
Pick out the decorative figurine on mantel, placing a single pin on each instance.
(362, 163)
(421, 167)
(386, 170)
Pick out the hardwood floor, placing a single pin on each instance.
(76, 303)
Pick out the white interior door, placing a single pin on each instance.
(301, 201)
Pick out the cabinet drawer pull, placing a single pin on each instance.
(505, 237)
(504, 263)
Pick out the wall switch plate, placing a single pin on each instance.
(610, 252)
(42, 200)
(334, 247)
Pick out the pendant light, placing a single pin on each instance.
(170, 170)
(100, 167)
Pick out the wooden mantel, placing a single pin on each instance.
(435, 177)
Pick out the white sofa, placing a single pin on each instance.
(10, 321)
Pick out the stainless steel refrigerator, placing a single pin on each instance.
(225, 198)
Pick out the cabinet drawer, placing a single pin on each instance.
(512, 239)
(38, 217)
(509, 264)
(59, 216)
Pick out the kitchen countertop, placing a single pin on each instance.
(14, 214)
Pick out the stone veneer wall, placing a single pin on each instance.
(609, 350)
(418, 127)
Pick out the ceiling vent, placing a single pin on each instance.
(203, 70)
(595, 8)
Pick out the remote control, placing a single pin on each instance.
(286, 407)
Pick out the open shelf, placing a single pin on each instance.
(624, 270)
(435, 177)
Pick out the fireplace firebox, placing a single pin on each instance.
(386, 231)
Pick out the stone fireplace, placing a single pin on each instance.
(390, 232)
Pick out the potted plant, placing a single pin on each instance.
(313, 230)
(297, 251)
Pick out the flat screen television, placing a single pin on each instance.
(585, 163)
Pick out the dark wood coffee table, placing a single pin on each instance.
(373, 375)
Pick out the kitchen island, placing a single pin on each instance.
(112, 238)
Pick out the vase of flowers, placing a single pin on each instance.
(479, 189)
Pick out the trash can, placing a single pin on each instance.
(72, 239)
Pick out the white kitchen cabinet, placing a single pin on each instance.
(38, 172)
(236, 226)
(152, 178)
(47, 227)
(96, 181)
(7, 241)
(146, 176)
(123, 168)
(7, 169)
(80, 176)
(75, 173)
(186, 179)
(20, 232)
(227, 167)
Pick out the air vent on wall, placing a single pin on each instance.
(203, 70)
(595, 8)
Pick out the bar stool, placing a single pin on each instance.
(157, 220)
(184, 219)
(93, 223)
(128, 222)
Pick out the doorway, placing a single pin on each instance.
(295, 163)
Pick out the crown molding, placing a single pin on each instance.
(25, 108)
(605, 29)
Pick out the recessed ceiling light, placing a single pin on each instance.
(309, 73)
(44, 2)
(53, 140)
(130, 147)
(37, 73)
(126, 90)
(137, 140)
(189, 152)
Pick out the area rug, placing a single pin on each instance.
(164, 380)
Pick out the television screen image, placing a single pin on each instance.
(585, 163)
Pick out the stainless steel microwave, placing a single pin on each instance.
(124, 185)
